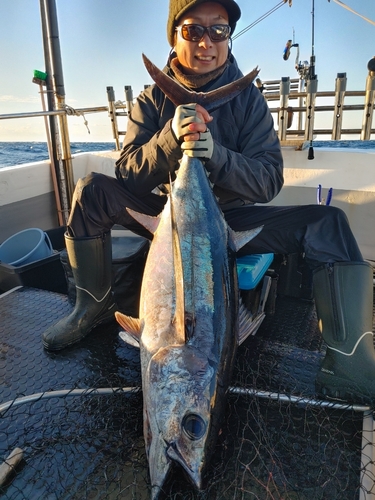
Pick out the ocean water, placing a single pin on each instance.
(17, 153)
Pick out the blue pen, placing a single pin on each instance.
(319, 194)
(329, 196)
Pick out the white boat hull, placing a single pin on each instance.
(27, 199)
(351, 174)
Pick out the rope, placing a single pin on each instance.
(353, 11)
(73, 112)
(264, 16)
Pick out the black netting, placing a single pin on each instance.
(91, 446)
(277, 441)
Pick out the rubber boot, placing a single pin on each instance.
(91, 261)
(344, 302)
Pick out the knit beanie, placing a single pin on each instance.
(178, 7)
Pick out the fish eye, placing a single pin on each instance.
(194, 426)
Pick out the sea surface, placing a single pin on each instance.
(17, 153)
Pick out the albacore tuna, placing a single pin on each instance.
(188, 322)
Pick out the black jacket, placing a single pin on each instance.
(246, 165)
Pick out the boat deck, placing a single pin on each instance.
(85, 439)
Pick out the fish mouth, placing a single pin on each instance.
(194, 475)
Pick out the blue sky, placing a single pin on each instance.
(102, 42)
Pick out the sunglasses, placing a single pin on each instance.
(195, 32)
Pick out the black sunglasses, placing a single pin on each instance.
(195, 32)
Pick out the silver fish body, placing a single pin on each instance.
(188, 325)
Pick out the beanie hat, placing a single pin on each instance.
(178, 7)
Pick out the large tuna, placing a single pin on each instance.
(188, 323)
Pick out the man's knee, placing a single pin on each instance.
(336, 214)
(92, 179)
(88, 185)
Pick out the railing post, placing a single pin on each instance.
(301, 87)
(311, 89)
(283, 112)
(369, 102)
(339, 105)
(112, 115)
(129, 98)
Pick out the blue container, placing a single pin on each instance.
(251, 269)
(26, 246)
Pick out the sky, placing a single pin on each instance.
(102, 42)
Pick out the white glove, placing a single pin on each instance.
(203, 148)
(183, 116)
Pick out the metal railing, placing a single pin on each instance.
(306, 108)
(285, 91)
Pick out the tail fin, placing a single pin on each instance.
(209, 100)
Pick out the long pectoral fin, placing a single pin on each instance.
(238, 239)
(179, 318)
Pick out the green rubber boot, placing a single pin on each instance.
(91, 261)
(343, 295)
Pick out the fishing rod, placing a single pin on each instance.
(353, 11)
(264, 16)
(312, 74)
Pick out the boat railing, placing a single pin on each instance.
(293, 103)
(292, 100)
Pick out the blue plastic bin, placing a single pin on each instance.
(25, 247)
(251, 269)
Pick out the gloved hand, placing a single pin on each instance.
(183, 116)
(203, 148)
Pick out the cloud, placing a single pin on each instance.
(13, 98)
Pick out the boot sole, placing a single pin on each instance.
(62, 345)
(341, 389)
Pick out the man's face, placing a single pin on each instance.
(198, 58)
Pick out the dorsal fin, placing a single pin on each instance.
(209, 100)
(238, 239)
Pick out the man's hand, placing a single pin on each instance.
(183, 116)
(189, 126)
(202, 148)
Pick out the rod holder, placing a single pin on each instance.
(340, 90)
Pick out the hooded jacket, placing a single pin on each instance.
(246, 165)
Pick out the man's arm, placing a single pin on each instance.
(150, 150)
(255, 171)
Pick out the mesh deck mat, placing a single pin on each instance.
(91, 445)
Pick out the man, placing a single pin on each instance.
(242, 156)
